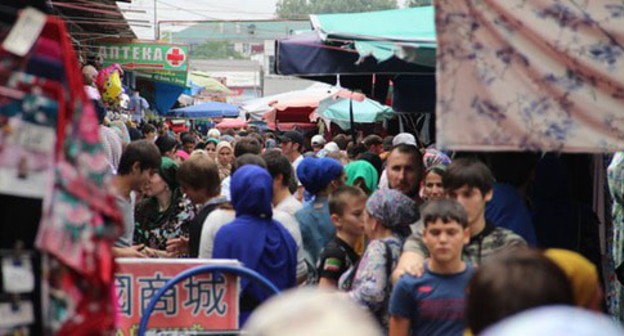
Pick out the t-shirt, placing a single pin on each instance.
(126, 207)
(289, 205)
(434, 302)
(337, 257)
(489, 242)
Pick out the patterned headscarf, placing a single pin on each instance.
(434, 157)
(393, 209)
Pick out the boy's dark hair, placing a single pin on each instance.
(468, 172)
(338, 198)
(371, 140)
(258, 137)
(246, 159)
(341, 140)
(200, 172)
(446, 210)
(142, 151)
(247, 145)
(513, 283)
(165, 144)
(278, 164)
(148, 128)
(188, 138)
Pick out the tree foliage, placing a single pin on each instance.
(419, 3)
(300, 9)
(215, 50)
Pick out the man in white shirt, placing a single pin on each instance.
(291, 144)
(282, 173)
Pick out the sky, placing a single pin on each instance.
(187, 10)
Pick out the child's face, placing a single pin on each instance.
(472, 200)
(445, 240)
(352, 220)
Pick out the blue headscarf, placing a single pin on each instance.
(316, 174)
(254, 238)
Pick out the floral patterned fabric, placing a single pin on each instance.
(371, 284)
(154, 228)
(541, 75)
(615, 291)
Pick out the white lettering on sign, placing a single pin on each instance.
(102, 52)
(114, 52)
(136, 53)
(125, 51)
(147, 54)
(158, 55)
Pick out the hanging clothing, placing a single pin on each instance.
(615, 290)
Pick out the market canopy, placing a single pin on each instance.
(408, 34)
(206, 110)
(207, 82)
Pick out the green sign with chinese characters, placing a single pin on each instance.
(145, 55)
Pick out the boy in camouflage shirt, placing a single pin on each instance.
(470, 182)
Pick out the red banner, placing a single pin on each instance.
(206, 302)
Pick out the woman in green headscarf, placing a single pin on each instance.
(363, 175)
(165, 214)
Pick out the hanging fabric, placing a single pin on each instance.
(80, 218)
(541, 75)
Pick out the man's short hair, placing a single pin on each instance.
(512, 283)
(342, 141)
(247, 145)
(468, 172)
(200, 172)
(165, 144)
(387, 142)
(372, 139)
(416, 157)
(339, 197)
(245, 159)
(188, 138)
(142, 151)
(354, 150)
(446, 210)
(278, 164)
(148, 128)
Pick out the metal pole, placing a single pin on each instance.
(156, 37)
(352, 121)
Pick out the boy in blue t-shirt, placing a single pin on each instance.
(433, 304)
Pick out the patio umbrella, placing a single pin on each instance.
(343, 111)
(208, 83)
(206, 110)
(231, 123)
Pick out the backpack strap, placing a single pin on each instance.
(388, 259)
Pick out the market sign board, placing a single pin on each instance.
(145, 55)
(203, 303)
(169, 77)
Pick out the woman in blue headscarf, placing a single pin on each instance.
(255, 239)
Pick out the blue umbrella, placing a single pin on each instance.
(206, 110)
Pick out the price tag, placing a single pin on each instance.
(16, 314)
(17, 275)
(36, 138)
(25, 32)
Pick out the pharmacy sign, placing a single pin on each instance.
(145, 55)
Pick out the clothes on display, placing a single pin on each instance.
(50, 150)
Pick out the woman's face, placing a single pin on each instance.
(211, 148)
(433, 188)
(156, 186)
(225, 156)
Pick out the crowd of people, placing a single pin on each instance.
(399, 230)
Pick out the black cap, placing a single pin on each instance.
(292, 136)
